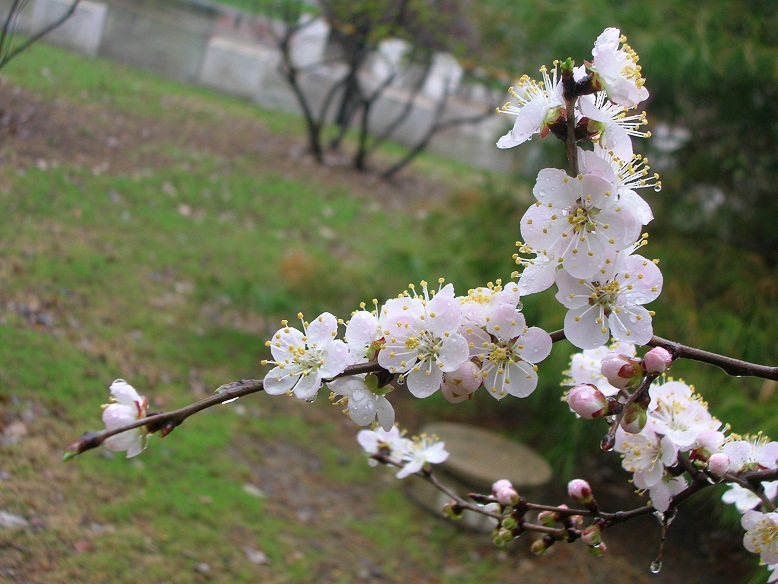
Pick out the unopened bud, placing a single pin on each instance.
(598, 550)
(635, 418)
(592, 535)
(580, 491)
(547, 518)
(718, 465)
(509, 522)
(621, 371)
(587, 401)
(507, 496)
(539, 547)
(453, 510)
(657, 360)
(501, 484)
(575, 521)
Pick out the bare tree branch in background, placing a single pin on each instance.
(8, 52)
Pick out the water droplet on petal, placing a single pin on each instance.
(311, 399)
(655, 567)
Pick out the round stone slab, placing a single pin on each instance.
(480, 457)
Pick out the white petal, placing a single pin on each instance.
(631, 325)
(308, 385)
(582, 329)
(534, 345)
(278, 380)
(336, 359)
(322, 330)
(426, 381)
(454, 351)
(529, 119)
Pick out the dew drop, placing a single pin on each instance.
(655, 567)
(607, 443)
(657, 188)
(311, 399)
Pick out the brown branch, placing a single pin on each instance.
(729, 365)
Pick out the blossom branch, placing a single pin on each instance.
(729, 365)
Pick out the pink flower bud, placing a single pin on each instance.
(592, 535)
(501, 484)
(718, 464)
(507, 496)
(634, 419)
(459, 385)
(580, 491)
(621, 371)
(587, 401)
(547, 518)
(657, 360)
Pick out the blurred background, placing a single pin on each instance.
(162, 208)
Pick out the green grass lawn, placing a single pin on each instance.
(172, 265)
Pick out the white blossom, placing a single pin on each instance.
(538, 105)
(303, 359)
(421, 340)
(761, 534)
(578, 220)
(610, 302)
(616, 68)
(126, 407)
(363, 405)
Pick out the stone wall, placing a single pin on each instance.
(207, 44)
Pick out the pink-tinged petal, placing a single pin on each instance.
(454, 352)
(584, 255)
(520, 379)
(572, 292)
(396, 358)
(126, 441)
(444, 312)
(583, 330)
(506, 323)
(623, 226)
(529, 120)
(552, 186)
(125, 394)
(645, 279)
(749, 520)
(642, 209)
(118, 415)
(767, 455)
(542, 227)
(426, 381)
(596, 190)
(616, 139)
(308, 385)
(284, 343)
(322, 330)
(278, 380)
(632, 324)
(478, 340)
(538, 275)
(494, 382)
(362, 328)
(336, 359)
(436, 453)
(534, 345)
